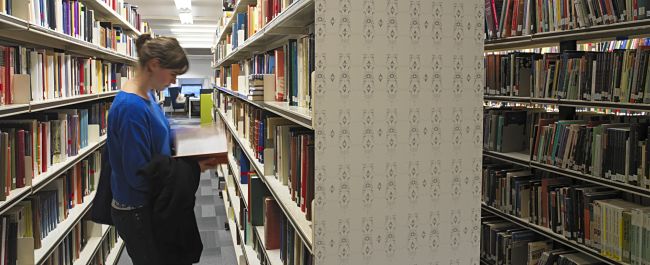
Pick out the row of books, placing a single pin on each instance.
(618, 75)
(74, 18)
(292, 66)
(246, 24)
(69, 250)
(616, 225)
(506, 243)
(36, 75)
(286, 150)
(32, 220)
(507, 18)
(31, 146)
(262, 12)
(279, 234)
(607, 146)
(127, 11)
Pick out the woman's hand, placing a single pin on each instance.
(209, 163)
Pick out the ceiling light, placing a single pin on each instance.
(183, 4)
(186, 18)
(192, 30)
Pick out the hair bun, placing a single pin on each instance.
(144, 38)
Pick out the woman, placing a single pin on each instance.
(138, 131)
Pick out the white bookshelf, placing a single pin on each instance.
(55, 170)
(40, 181)
(116, 252)
(49, 243)
(300, 115)
(107, 13)
(243, 188)
(92, 246)
(231, 200)
(233, 230)
(280, 192)
(239, 7)
(290, 23)
(19, 30)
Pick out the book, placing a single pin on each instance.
(202, 142)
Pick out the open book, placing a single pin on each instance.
(201, 142)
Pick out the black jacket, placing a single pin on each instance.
(173, 183)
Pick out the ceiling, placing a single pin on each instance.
(195, 38)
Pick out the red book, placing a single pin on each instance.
(269, 10)
(272, 223)
(81, 77)
(20, 159)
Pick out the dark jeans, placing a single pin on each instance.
(134, 227)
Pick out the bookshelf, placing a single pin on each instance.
(278, 190)
(366, 115)
(286, 25)
(108, 14)
(620, 29)
(55, 237)
(299, 115)
(232, 201)
(92, 247)
(36, 106)
(550, 234)
(15, 31)
(227, 26)
(567, 40)
(17, 195)
(116, 253)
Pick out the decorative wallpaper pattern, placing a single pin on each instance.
(398, 123)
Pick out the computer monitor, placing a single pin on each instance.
(191, 89)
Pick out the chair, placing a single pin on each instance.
(173, 94)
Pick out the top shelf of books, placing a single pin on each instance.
(522, 24)
(94, 36)
(125, 15)
(225, 25)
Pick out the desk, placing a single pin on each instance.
(189, 105)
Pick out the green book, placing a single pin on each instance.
(257, 191)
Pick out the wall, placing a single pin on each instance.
(199, 69)
(398, 125)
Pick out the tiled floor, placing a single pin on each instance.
(210, 215)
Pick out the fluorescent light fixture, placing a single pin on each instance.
(183, 4)
(184, 8)
(186, 17)
(192, 30)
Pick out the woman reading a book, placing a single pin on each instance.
(139, 136)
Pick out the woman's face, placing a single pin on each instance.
(162, 77)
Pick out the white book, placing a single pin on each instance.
(59, 15)
(33, 62)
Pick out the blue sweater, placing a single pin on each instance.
(137, 130)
